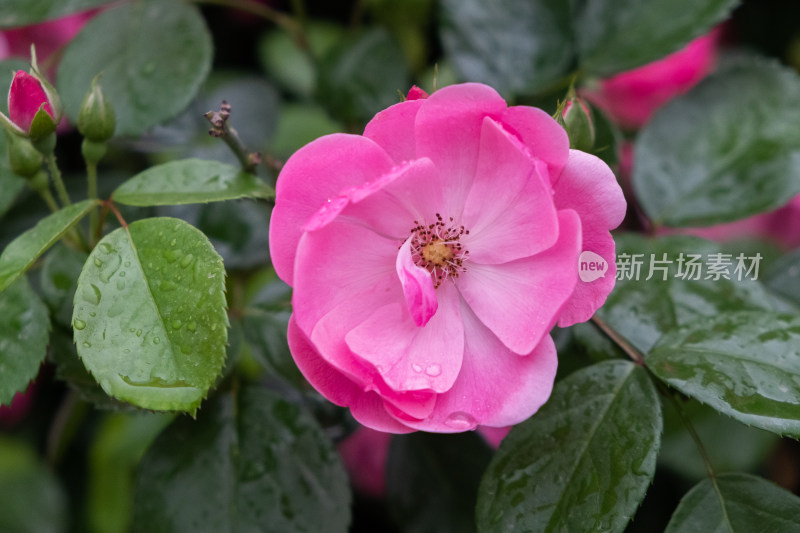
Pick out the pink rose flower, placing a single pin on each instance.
(431, 256)
(25, 97)
(631, 98)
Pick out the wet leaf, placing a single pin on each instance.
(20, 253)
(254, 460)
(745, 365)
(150, 322)
(583, 462)
(24, 330)
(190, 181)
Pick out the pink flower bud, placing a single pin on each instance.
(25, 98)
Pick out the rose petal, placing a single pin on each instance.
(393, 130)
(314, 174)
(417, 285)
(520, 301)
(495, 386)
(509, 211)
(25, 97)
(367, 407)
(588, 187)
(541, 135)
(409, 357)
(448, 128)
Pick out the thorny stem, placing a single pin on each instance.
(55, 175)
(619, 340)
(221, 129)
(288, 23)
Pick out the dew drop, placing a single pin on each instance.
(191, 326)
(176, 324)
(171, 256)
(156, 340)
(173, 242)
(79, 324)
(416, 367)
(187, 260)
(92, 314)
(87, 345)
(131, 330)
(127, 263)
(461, 421)
(97, 262)
(92, 294)
(138, 333)
(120, 285)
(122, 274)
(167, 285)
(126, 350)
(106, 247)
(433, 370)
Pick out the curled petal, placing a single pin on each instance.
(417, 286)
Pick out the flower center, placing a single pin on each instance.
(437, 248)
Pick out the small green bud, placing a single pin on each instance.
(93, 151)
(577, 120)
(23, 158)
(96, 120)
(40, 181)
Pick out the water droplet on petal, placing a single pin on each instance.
(461, 421)
(433, 370)
(78, 323)
(416, 367)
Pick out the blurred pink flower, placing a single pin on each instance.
(364, 454)
(431, 256)
(630, 98)
(48, 36)
(12, 414)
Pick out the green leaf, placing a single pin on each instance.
(135, 45)
(190, 181)
(265, 333)
(150, 321)
(745, 365)
(24, 329)
(742, 503)
(58, 279)
(583, 462)
(524, 45)
(20, 253)
(120, 442)
(25, 12)
(432, 480)
(717, 432)
(362, 76)
(250, 462)
(610, 33)
(725, 150)
(784, 277)
(644, 310)
(31, 500)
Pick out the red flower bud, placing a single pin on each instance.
(25, 99)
